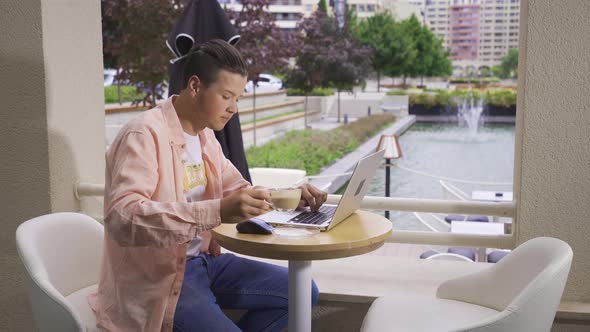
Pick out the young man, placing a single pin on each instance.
(167, 185)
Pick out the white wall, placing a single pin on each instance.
(51, 123)
(552, 180)
(24, 174)
(72, 44)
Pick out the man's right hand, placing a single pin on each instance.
(244, 204)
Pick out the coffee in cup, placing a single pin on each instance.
(285, 199)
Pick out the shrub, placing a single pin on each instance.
(318, 92)
(501, 97)
(128, 93)
(426, 100)
(467, 94)
(467, 80)
(492, 97)
(397, 93)
(314, 149)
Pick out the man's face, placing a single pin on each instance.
(218, 101)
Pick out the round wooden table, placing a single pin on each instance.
(360, 233)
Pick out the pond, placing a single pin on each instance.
(448, 151)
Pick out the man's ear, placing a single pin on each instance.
(194, 84)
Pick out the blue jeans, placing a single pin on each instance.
(231, 282)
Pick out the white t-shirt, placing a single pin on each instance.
(195, 181)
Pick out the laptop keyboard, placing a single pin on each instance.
(315, 218)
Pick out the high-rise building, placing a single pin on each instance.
(289, 12)
(477, 32)
(463, 39)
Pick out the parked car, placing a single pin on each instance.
(109, 76)
(266, 83)
(109, 79)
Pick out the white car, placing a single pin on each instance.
(109, 76)
(266, 83)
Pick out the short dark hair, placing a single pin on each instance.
(205, 60)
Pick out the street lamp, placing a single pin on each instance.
(389, 143)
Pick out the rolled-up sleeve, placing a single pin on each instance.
(131, 216)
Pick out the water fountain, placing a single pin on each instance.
(469, 112)
(470, 109)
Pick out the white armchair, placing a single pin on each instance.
(277, 177)
(519, 293)
(61, 253)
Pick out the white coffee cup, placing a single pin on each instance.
(285, 199)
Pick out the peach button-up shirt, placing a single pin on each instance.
(148, 221)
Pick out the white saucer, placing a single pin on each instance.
(295, 232)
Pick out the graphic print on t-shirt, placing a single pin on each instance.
(194, 176)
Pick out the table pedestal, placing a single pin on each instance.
(299, 296)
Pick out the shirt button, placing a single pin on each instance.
(175, 292)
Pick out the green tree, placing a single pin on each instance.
(509, 64)
(431, 58)
(312, 54)
(323, 6)
(485, 71)
(263, 46)
(392, 48)
(496, 71)
(441, 63)
(329, 56)
(133, 39)
(422, 41)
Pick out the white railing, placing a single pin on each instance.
(82, 189)
(410, 205)
(442, 206)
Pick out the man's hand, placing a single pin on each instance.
(312, 197)
(244, 204)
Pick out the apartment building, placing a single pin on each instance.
(499, 24)
(477, 32)
(289, 12)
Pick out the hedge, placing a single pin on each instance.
(317, 92)
(312, 150)
(128, 93)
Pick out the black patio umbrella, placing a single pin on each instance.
(201, 21)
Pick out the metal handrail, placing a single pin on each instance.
(434, 205)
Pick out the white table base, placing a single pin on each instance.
(299, 296)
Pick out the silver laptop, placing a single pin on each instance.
(329, 215)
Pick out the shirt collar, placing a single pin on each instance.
(173, 123)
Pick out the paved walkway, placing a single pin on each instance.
(329, 123)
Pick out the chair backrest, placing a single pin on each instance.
(277, 177)
(443, 256)
(526, 286)
(61, 253)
